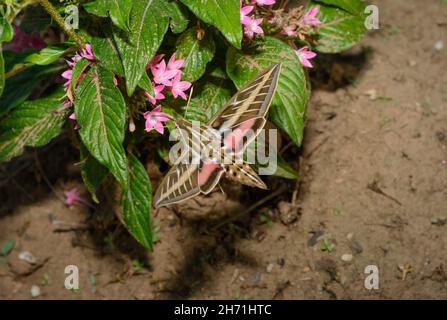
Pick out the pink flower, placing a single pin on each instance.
(23, 41)
(115, 81)
(88, 53)
(155, 119)
(67, 74)
(158, 95)
(265, 2)
(162, 75)
(178, 87)
(244, 11)
(304, 54)
(73, 197)
(290, 31)
(175, 65)
(155, 60)
(73, 117)
(71, 63)
(310, 18)
(252, 26)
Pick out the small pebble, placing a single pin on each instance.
(349, 236)
(439, 45)
(412, 63)
(35, 291)
(269, 267)
(255, 278)
(347, 257)
(28, 257)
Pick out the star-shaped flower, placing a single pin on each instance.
(252, 26)
(87, 53)
(162, 75)
(304, 54)
(155, 119)
(178, 87)
(73, 198)
(175, 65)
(158, 95)
(310, 18)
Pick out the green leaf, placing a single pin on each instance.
(196, 53)
(146, 84)
(340, 29)
(292, 94)
(2, 72)
(6, 30)
(283, 169)
(136, 203)
(97, 8)
(148, 25)
(351, 6)
(92, 172)
(223, 14)
(120, 12)
(210, 95)
(107, 53)
(7, 248)
(179, 17)
(32, 124)
(19, 87)
(46, 56)
(101, 112)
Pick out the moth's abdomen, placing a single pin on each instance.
(243, 173)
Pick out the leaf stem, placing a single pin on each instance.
(60, 21)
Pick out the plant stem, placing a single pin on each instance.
(57, 17)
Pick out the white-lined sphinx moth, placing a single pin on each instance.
(245, 111)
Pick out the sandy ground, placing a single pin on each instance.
(373, 191)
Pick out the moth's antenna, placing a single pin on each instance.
(189, 100)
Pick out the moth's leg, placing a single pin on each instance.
(222, 190)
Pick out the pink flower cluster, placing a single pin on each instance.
(250, 23)
(309, 19)
(167, 77)
(86, 53)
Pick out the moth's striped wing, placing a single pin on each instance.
(248, 107)
(180, 183)
(185, 180)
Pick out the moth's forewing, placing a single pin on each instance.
(180, 183)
